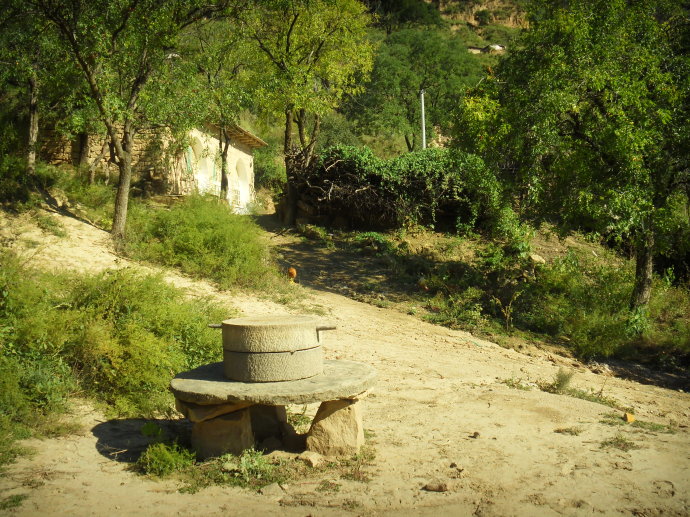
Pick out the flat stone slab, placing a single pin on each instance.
(339, 380)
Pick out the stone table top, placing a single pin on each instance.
(339, 380)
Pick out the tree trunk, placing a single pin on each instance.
(291, 198)
(124, 163)
(84, 142)
(644, 262)
(33, 125)
(224, 143)
(97, 160)
(410, 143)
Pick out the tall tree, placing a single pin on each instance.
(226, 63)
(32, 60)
(408, 61)
(120, 47)
(590, 119)
(319, 52)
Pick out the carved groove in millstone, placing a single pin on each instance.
(272, 367)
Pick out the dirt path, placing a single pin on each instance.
(441, 411)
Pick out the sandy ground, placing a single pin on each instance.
(441, 411)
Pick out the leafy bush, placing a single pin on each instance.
(202, 237)
(118, 336)
(578, 300)
(435, 186)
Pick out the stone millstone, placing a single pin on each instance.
(270, 334)
(337, 429)
(231, 433)
(208, 385)
(273, 367)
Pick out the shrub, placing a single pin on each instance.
(119, 335)
(434, 186)
(202, 237)
(161, 459)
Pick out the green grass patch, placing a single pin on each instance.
(251, 470)
(619, 442)
(203, 238)
(516, 384)
(561, 386)
(49, 224)
(13, 501)
(117, 336)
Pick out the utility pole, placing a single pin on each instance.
(421, 97)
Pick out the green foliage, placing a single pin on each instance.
(251, 468)
(203, 237)
(118, 336)
(161, 459)
(407, 61)
(584, 136)
(318, 52)
(561, 383)
(268, 172)
(425, 187)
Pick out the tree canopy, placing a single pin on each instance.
(408, 61)
(589, 120)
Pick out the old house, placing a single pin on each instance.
(163, 165)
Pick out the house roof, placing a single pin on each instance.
(241, 135)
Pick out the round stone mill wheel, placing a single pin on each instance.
(272, 348)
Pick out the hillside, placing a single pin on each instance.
(448, 408)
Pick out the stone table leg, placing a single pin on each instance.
(229, 433)
(337, 428)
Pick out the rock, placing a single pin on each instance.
(337, 428)
(274, 491)
(311, 458)
(270, 444)
(537, 259)
(475, 434)
(59, 197)
(281, 455)
(294, 441)
(267, 421)
(231, 433)
(436, 486)
(207, 385)
(199, 413)
(629, 418)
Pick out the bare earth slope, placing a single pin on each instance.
(441, 411)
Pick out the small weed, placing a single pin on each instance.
(516, 384)
(300, 421)
(13, 501)
(573, 431)
(161, 459)
(327, 486)
(619, 442)
(49, 224)
(560, 383)
(354, 467)
(316, 233)
(561, 386)
(251, 468)
(351, 504)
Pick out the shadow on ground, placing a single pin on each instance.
(122, 440)
(338, 269)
